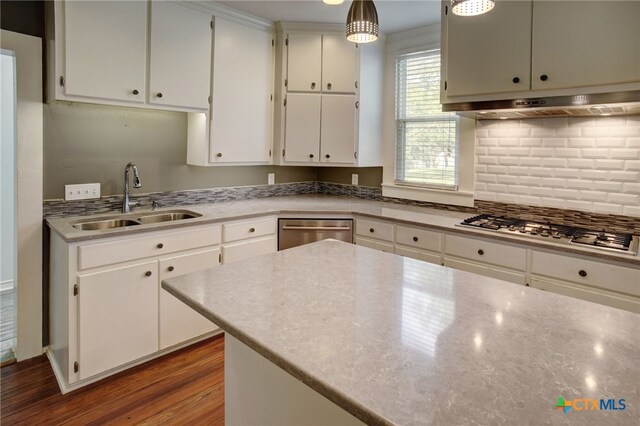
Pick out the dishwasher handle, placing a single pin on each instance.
(315, 228)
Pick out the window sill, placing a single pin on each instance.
(456, 198)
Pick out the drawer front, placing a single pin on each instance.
(246, 249)
(427, 256)
(248, 229)
(487, 271)
(183, 264)
(418, 238)
(157, 244)
(620, 301)
(582, 271)
(375, 244)
(375, 229)
(486, 252)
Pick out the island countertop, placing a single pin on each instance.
(393, 340)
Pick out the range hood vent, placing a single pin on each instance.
(593, 105)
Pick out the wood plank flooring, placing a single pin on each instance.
(184, 387)
(7, 325)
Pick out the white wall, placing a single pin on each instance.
(7, 169)
(587, 164)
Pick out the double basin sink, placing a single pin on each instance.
(141, 219)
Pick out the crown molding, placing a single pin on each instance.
(219, 10)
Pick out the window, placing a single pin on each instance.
(426, 142)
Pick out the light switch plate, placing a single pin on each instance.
(271, 178)
(354, 179)
(83, 191)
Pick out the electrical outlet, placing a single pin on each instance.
(354, 179)
(271, 178)
(82, 191)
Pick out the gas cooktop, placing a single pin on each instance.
(624, 243)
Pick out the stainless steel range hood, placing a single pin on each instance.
(598, 104)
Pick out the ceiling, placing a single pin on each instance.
(393, 15)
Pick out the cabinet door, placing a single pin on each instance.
(241, 110)
(339, 61)
(178, 321)
(302, 128)
(585, 43)
(304, 62)
(105, 49)
(250, 248)
(486, 53)
(117, 317)
(180, 56)
(338, 129)
(512, 276)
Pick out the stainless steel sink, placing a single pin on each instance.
(141, 219)
(167, 216)
(97, 225)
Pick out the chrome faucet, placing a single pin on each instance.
(126, 204)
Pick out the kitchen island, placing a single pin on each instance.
(390, 340)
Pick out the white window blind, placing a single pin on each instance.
(426, 142)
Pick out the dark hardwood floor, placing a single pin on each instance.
(184, 387)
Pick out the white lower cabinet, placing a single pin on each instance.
(117, 317)
(178, 322)
(249, 238)
(497, 260)
(419, 244)
(107, 308)
(604, 283)
(375, 234)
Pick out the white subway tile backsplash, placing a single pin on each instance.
(589, 164)
(582, 142)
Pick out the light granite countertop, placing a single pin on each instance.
(317, 204)
(394, 340)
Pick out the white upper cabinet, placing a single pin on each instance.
(325, 85)
(489, 53)
(539, 48)
(338, 129)
(104, 47)
(587, 43)
(304, 62)
(180, 56)
(242, 107)
(302, 128)
(238, 128)
(130, 53)
(339, 63)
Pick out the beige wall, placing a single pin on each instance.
(86, 143)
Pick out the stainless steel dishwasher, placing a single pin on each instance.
(296, 232)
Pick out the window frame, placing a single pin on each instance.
(412, 41)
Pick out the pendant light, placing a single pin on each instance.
(471, 7)
(333, 2)
(362, 22)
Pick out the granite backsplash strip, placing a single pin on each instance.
(611, 223)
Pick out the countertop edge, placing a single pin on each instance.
(94, 236)
(333, 395)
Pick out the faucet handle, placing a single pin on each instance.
(155, 204)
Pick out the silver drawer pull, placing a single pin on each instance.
(316, 228)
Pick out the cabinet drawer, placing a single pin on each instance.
(619, 301)
(178, 265)
(246, 249)
(374, 229)
(156, 244)
(374, 244)
(486, 252)
(582, 271)
(418, 238)
(487, 271)
(248, 229)
(427, 256)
